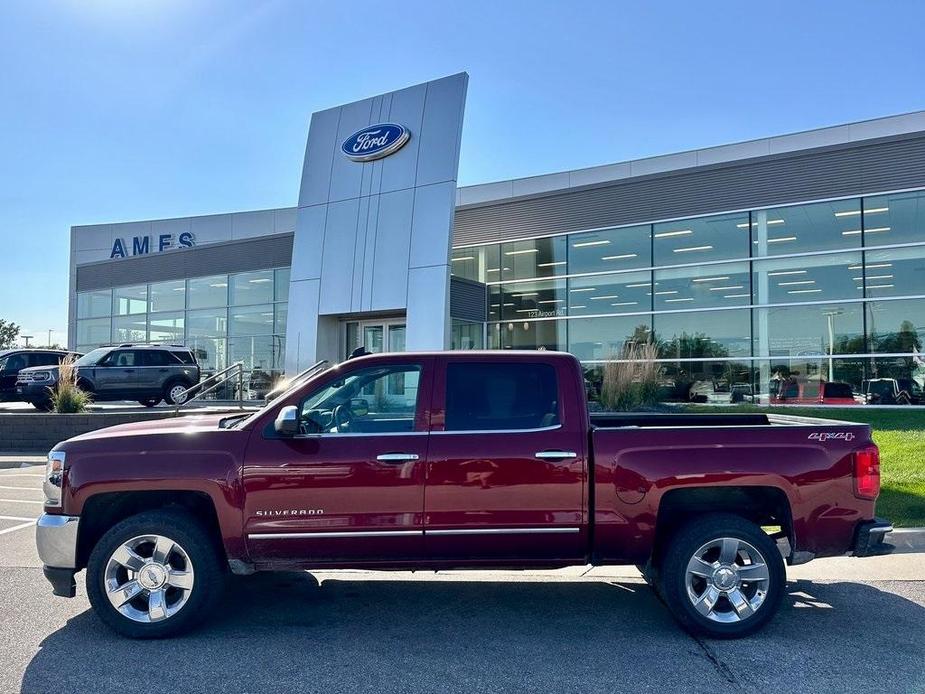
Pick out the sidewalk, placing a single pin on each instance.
(15, 460)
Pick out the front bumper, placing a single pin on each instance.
(868, 539)
(33, 392)
(56, 541)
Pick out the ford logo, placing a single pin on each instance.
(375, 142)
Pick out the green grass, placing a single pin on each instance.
(900, 435)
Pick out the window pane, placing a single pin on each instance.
(281, 277)
(282, 313)
(493, 266)
(703, 334)
(610, 249)
(543, 334)
(168, 296)
(487, 397)
(810, 380)
(895, 272)
(206, 292)
(604, 338)
(129, 329)
(898, 218)
(625, 292)
(715, 382)
(534, 299)
(166, 327)
(260, 353)
(790, 331)
(466, 335)
(130, 300)
(895, 381)
(94, 304)
(93, 331)
(252, 288)
(896, 326)
(206, 323)
(710, 286)
(817, 227)
(814, 278)
(464, 262)
(211, 353)
(534, 258)
(373, 400)
(252, 320)
(697, 240)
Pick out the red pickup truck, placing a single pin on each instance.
(448, 460)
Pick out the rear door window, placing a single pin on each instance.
(157, 357)
(487, 396)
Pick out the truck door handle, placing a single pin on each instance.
(396, 457)
(555, 455)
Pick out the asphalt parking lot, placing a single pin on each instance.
(840, 630)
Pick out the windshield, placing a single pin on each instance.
(91, 358)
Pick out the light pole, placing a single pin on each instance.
(50, 330)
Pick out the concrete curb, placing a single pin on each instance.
(9, 461)
(907, 540)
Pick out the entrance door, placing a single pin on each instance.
(376, 336)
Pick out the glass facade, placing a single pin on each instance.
(223, 318)
(762, 305)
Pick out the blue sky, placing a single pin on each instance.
(114, 110)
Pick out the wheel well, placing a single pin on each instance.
(102, 511)
(764, 506)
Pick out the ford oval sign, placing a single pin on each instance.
(375, 142)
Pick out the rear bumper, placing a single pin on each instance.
(868, 539)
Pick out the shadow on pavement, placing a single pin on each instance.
(284, 632)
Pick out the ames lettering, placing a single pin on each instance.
(141, 245)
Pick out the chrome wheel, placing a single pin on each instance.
(177, 394)
(727, 580)
(149, 578)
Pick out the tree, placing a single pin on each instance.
(9, 331)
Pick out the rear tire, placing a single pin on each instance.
(43, 405)
(150, 402)
(722, 576)
(172, 391)
(155, 575)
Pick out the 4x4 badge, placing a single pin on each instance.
(831, 436)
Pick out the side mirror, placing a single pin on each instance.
(287, 421)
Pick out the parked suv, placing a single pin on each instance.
(146, 373)
(15, 360)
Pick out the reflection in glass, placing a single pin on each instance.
(896, 327)
(610, 249)
(697, 240)
(533, 258)
(894, 272)
(207, 323)
(207, 292)
(94, 304)
(281, 279)
(130, 300)
(251, 288)
(897, 218)
(624, 292)
(801, 228)
(703, 334)
(167, 296)
(813, 278)
(809, 330)
(166, 327)
(466, 335)
(132, 328)
(539, 299)
(93, 331)
(543, 334)
(605, 337)
(710, 286)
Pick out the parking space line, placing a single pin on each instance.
(20, 501)
(20, 489)
(17, 527)
(16, 518)
(20, 474)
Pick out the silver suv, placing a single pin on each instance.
(146, 373)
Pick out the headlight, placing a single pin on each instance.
(41, 376)
(54, 474)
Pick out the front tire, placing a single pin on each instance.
(723, 576)
(150, 402)
(155, 575)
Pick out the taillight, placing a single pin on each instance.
(867, 472)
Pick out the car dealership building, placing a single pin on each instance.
(797, 258)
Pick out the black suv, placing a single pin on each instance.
(146, 373)
(13, 361)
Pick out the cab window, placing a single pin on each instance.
(375, 400)
(495, 396)
(121, 358)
